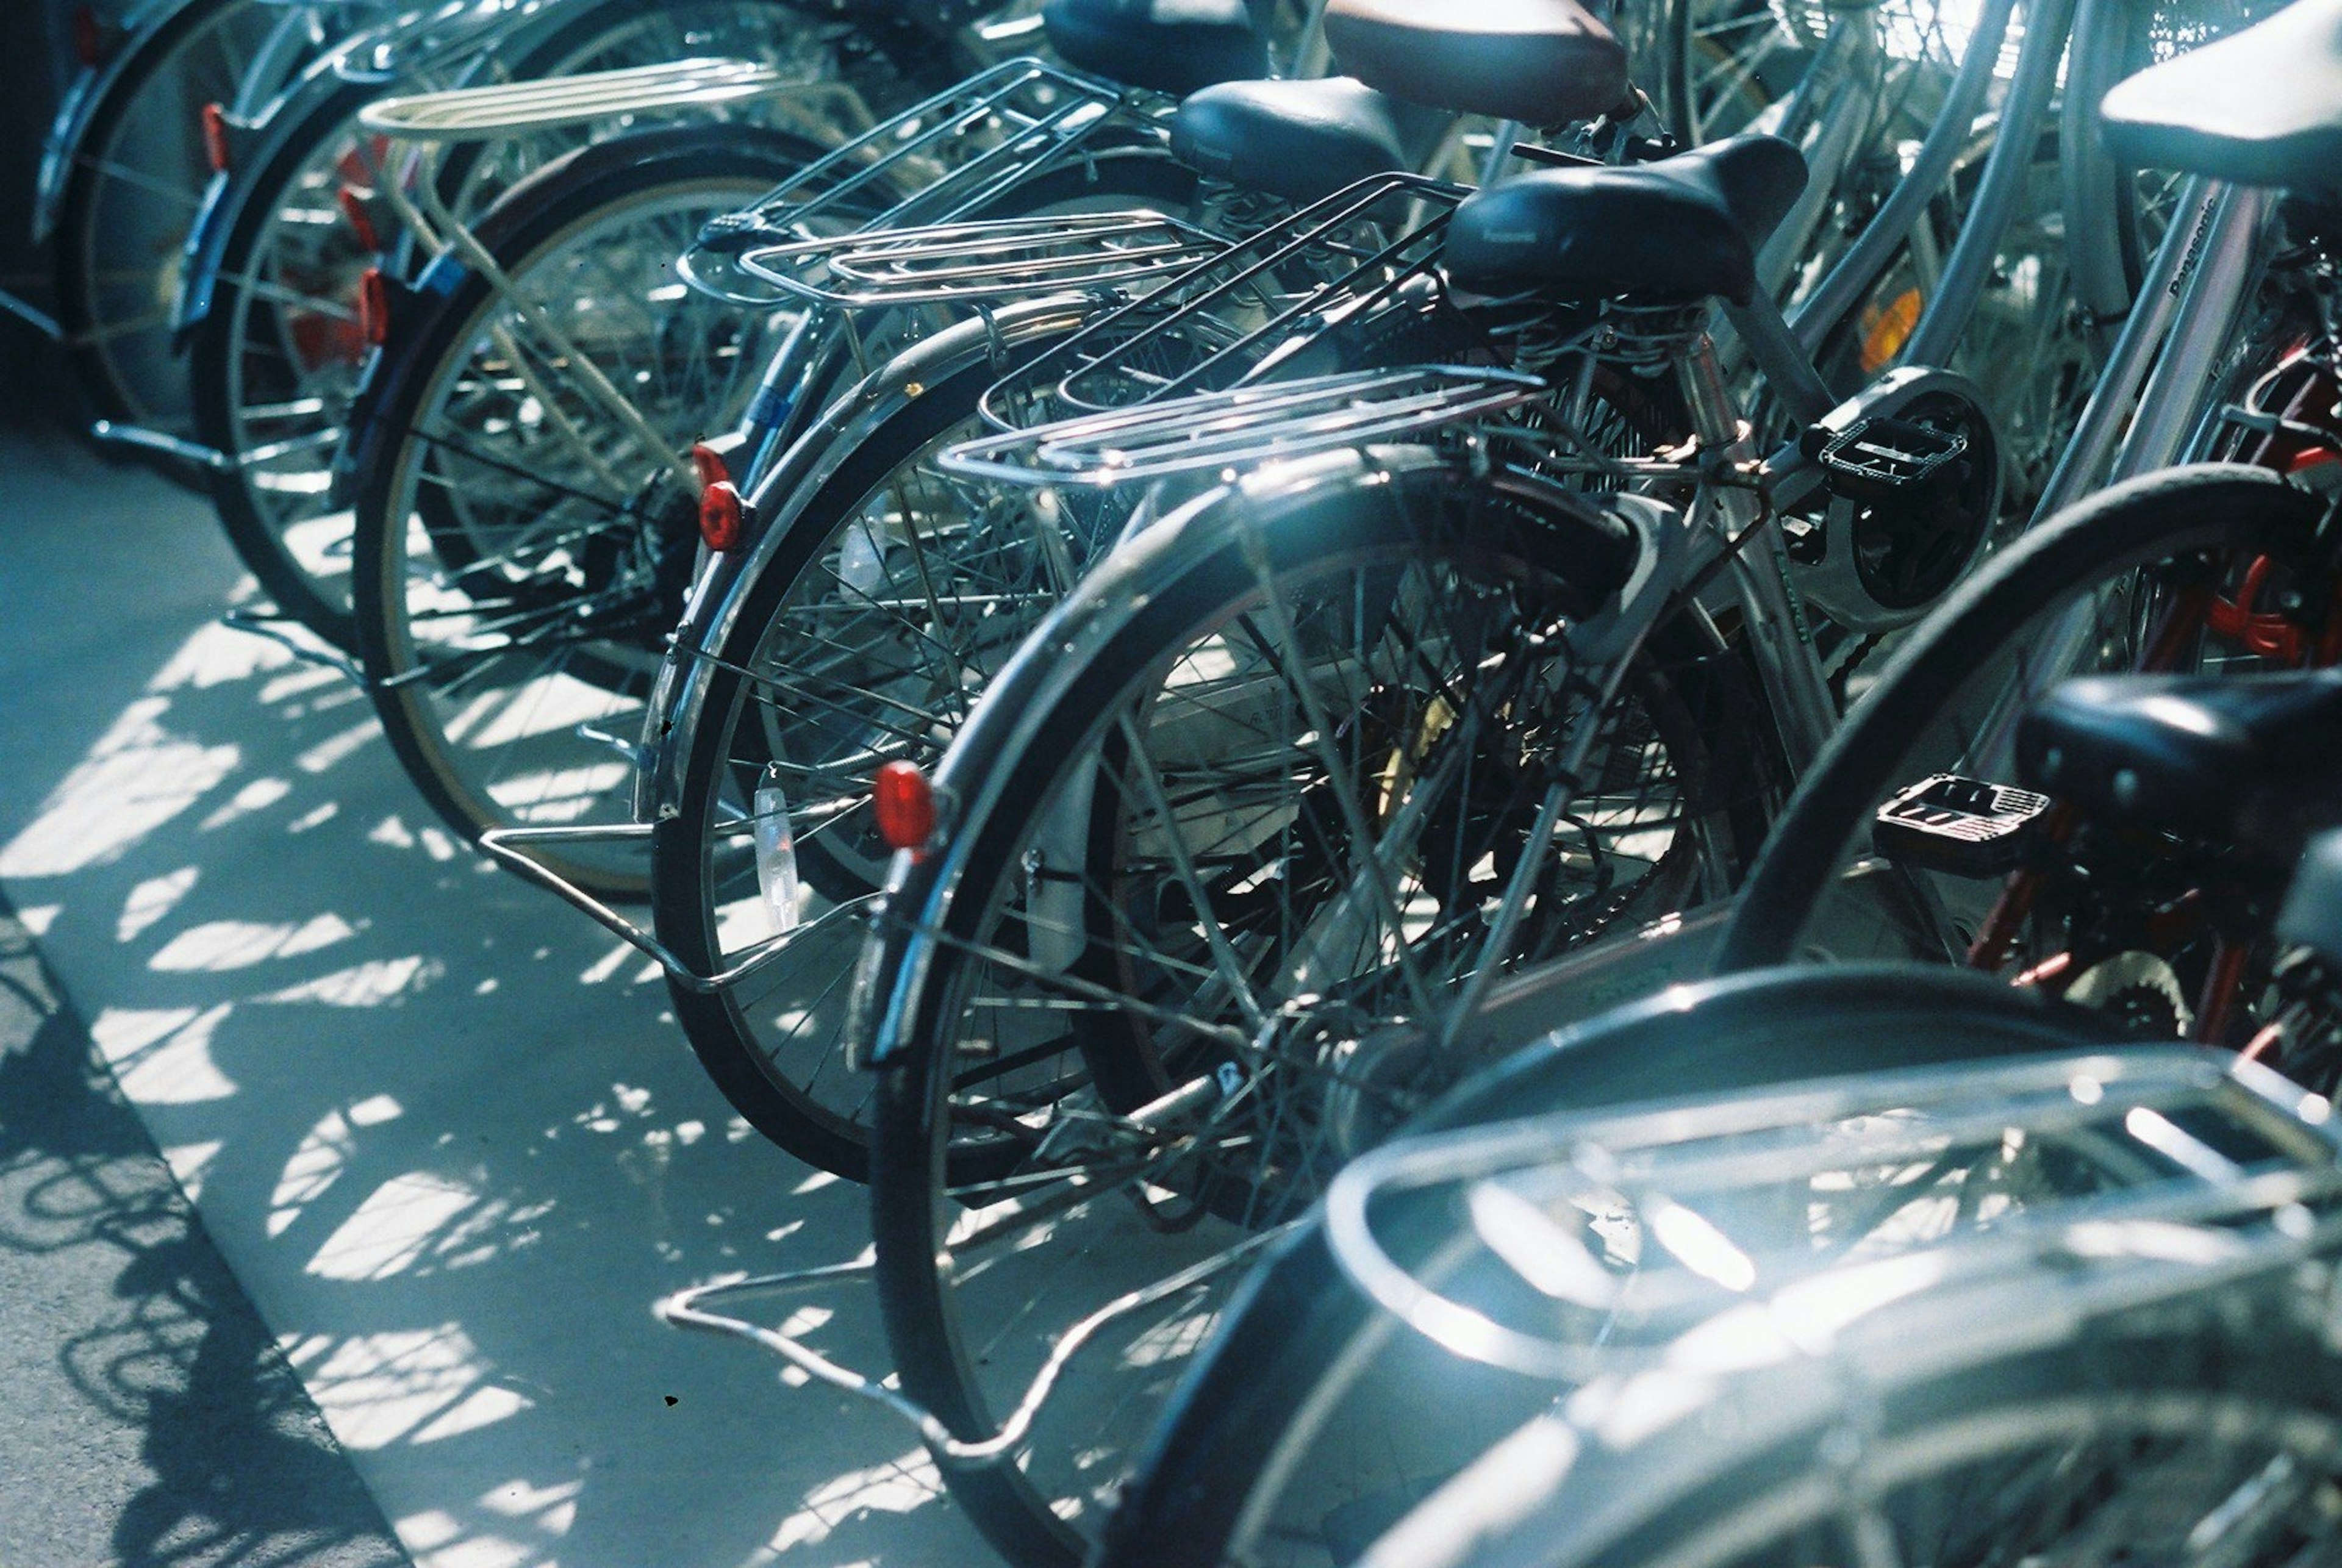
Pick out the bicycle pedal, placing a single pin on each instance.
(1876, 459)
(1964, 827)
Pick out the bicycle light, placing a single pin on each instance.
(904, 803)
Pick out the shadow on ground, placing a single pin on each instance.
(152, 1419)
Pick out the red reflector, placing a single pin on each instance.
(904, 803)
(709, 464)
(353, 203)
(373, 306)
(720, 515)
(215, 123)
(89, 39)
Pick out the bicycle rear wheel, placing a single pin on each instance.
(520, 547)
(1241, 803)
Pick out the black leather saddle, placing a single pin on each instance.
(2252, 759)
(1170, 46)
(1301, 140)
(1685, 227)
(1540, 62)
(2261, 107)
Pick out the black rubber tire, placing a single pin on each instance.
(156, 56)
(545, 212)
(1046, 709)
(2174, 511)
(721, 1037)
(213, 343)
(1296, 1315)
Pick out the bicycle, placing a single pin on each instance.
(1257, 819)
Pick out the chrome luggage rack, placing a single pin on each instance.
(493, 113)
(1259, 301)
(965, 264)
(1245, 425)
(930, 165)
(1637, 1224)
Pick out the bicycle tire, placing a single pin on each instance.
(1036, 735)
(1297, 1325)
(2175, 512)
(702, 167)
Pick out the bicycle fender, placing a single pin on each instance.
(77, 115)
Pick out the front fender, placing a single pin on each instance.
(679, 695)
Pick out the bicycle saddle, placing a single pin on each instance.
(2312, 914)
(1171, 45)
(2262, 108)
(1540, 62)
(1301, 140)
(1686, 226)
(2252, 757)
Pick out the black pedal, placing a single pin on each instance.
(1965, 827)
(1874, 460)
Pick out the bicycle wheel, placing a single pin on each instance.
(520, 544)
(2128, 574)
(897, 592)
(1256, 791)
(2174, 1440)
(1311, 1419)
(276, 357)
(136, 181)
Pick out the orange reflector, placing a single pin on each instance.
(373, 306)
(353, 203)
(89, 35)
(721, 515)
(215, 123)
(709, 464)
(904, 803)
(1887, 328)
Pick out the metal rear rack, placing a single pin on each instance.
(1252, 307)
(971, 262)
(930, 165)
(1245, 425)
(492, 114)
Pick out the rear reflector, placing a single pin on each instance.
(373, 306)
(904, 804)
(353, 205)
(215, 122)
(92, 38)
(721, 515)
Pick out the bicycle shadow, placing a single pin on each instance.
(441, 1128)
